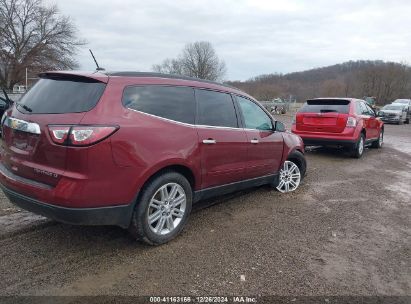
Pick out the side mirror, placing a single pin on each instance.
(279, 126)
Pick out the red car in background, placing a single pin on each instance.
(345, 122)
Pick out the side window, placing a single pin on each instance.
(175, 103)
(364, 110)
(369, 110)
(254, 116)
(358, 109)
(215, 109)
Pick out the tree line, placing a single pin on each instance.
(386, 81)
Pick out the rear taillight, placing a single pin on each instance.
(79, 135)
(351, 122)
(59, 134)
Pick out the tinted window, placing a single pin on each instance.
(254, 116)
(175, 103)
(369, 110)
(325, 106)
(215, 109)
(62, 96)
(358, 109)
(364, 109)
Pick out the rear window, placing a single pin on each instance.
(403, 101)
(392, 107)
(175, 103)
(56, 96)
(326, 106)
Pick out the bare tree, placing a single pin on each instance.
(198, 59)
(36, 37)
(169, 66)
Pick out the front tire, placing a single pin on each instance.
(378, 143)
(163, 209)
(358, 149)
(291, 173)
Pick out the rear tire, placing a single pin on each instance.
(162, 210)
(379, 142)
(358, 149)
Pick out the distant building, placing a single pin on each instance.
(19, 89)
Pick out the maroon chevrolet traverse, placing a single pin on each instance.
(136, 150)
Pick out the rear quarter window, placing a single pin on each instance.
(175, 103)
(62, 95)
(326, 106)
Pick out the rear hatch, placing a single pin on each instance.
(56, 99)
(323, 115)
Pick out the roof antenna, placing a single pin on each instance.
(98, 67)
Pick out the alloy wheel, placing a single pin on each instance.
(361, 146)
(290, 177)
(167, 208)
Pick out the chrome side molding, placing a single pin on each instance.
(21, 125)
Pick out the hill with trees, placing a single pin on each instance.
(384, 80)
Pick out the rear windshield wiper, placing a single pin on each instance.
(27, 108)
(7, 99)
(328, 111)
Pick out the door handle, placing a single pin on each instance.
(209, 141)
(254, 141)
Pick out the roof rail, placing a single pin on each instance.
(162, 75)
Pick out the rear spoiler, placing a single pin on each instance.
(79, 76)
(325, 101)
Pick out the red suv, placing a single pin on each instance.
(344, 122)
(136, 150)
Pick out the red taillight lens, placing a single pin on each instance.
(59, 134)
(80, 135)
(88, 135)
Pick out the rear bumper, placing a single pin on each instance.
(328, 142)
(115, 215)
(348, 137)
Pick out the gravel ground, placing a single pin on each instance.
(345, 231)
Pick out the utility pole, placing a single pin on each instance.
(26, 80)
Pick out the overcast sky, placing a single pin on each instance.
(253, 37)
